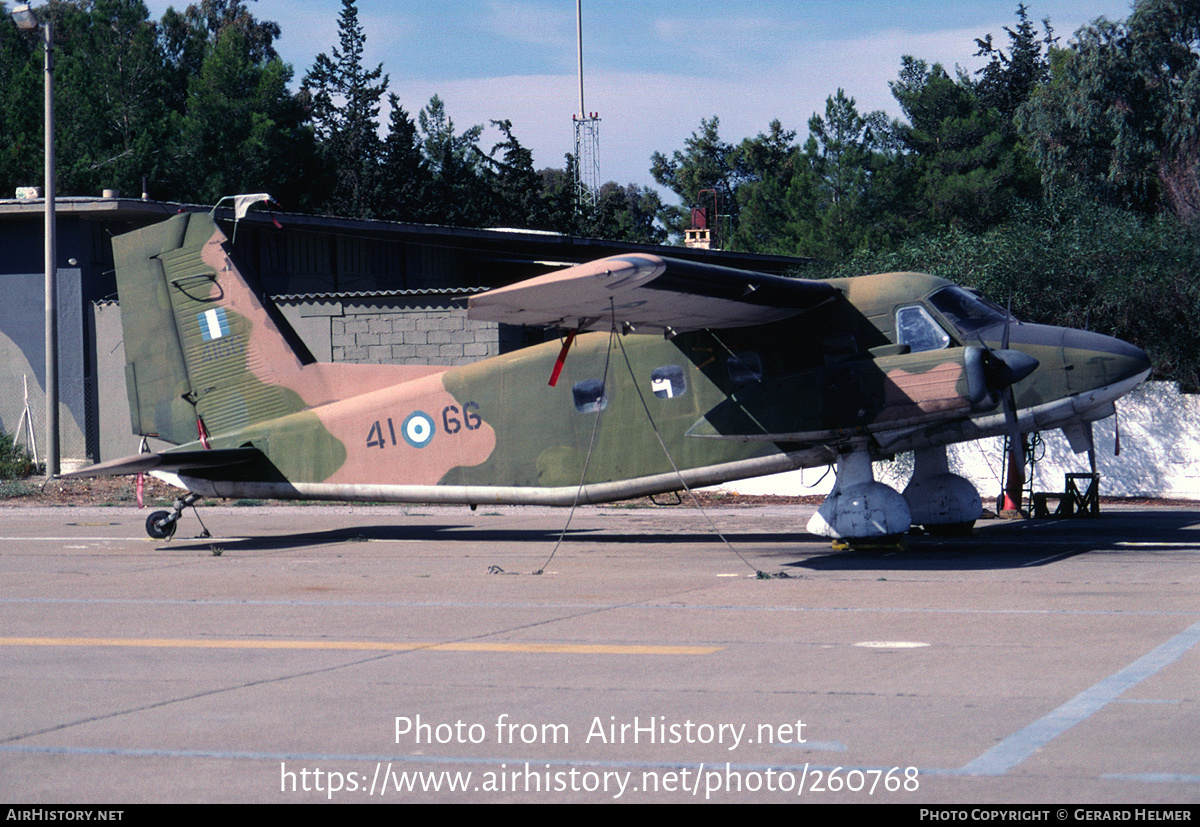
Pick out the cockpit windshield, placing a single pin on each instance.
(967, 310)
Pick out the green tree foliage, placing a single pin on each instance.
(705, 172)
(514, 184)
(559, 192)
(404, 180)
(238, 107)
(20, 120)
(969, 165)
(1120, 117)
(1099, 268)
(1011, 77)
(197, 105)
(844, 172)
(626, 213)
(15, 461)
(111, 115)
(188, 36)
(344, 98)
(454, 161)
(826, 198)
(765, 201)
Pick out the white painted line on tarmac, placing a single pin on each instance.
(1019, 746)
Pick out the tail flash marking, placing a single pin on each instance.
(214, 324)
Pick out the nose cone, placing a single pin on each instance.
(1099, 361)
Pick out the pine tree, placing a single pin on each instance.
(458, 195)
(840, 179)
(706, 163)
(516, 186)
(343, 100)
(242, 131)
(405, 181)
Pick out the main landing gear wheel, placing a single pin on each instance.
(161, 525)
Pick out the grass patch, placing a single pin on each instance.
(16, 488)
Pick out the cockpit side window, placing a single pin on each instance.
(917, 329)
(966, 310)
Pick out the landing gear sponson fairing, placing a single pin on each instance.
(739, 373)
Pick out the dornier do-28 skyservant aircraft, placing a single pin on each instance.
(682, 373)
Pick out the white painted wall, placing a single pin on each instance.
(1160, 455)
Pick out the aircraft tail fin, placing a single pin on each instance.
(203, 354)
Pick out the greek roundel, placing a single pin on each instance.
(418, 429)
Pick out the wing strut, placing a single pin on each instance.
(562, 357)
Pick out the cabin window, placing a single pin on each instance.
(668, 382)
(917, 329)
(968, 311)
(745, 369)
(589, 396)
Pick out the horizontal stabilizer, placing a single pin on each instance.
(649, 293)
(172, 461)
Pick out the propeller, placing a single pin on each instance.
(1014, 478)
(994, 372)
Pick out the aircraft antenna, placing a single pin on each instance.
(587, 137)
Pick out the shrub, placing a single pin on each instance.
(15, 461)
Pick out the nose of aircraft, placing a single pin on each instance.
(1078, 362)
(1094, 360)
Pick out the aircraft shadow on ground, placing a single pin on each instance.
(1004, 544)
(995, 544)
(472, 534)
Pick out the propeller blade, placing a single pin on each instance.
(1091, 446)
(1014, 483)
(1003, 368)
(1007, 321)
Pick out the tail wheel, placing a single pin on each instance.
(161, 525)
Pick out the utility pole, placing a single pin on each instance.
(27, 21)
(587, 137)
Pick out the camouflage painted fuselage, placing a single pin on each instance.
(209, 367)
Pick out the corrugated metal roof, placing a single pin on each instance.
(381, 294)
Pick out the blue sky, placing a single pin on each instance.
(652, 70)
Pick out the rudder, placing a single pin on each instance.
(201, 350)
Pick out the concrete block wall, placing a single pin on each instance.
(434, 334)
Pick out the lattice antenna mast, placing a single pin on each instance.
(587, 137)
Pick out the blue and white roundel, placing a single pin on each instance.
(417, 429)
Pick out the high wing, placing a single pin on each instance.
(639, 291)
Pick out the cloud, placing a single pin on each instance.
(653, 71)
(549, 28)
